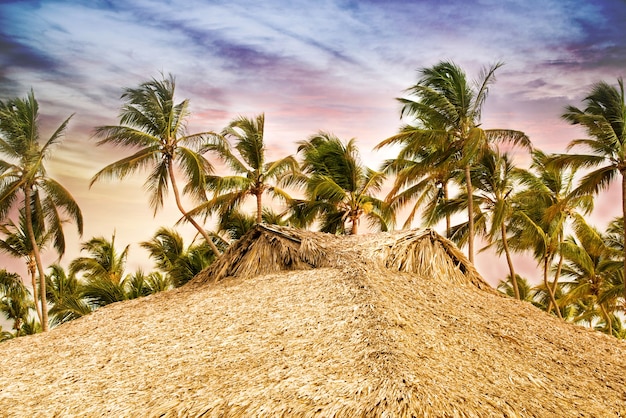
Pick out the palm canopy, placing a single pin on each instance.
(253, 175)
(604, 119)
(339, 188)
(105, 262)
(445, 111)
(23, 170)
(153, 125)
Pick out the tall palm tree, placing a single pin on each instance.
(154, 125)
(339, 189)
(23, 178)
(450, 108)
(254, 176)
(494, 179)
(15, 303)
(604, 119)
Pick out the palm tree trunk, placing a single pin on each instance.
(624, 232)
(355, 225)
(607, 316)
(557, 276)
(259, 208)
(509, 261)
(35, 247)
(546, 265)
(201, 230)
(448, 216)
(32, 269)
(470, 214)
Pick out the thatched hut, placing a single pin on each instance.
(299, 324)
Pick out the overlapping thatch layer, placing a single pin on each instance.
(332, 328)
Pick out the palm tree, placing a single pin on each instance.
(525, 289)
(420, 176)
(17, 244)
(153, 125)
(253, 175)
(179, 263)
(65, 295)
(339, 189)
(448, 109)
(23, 177)
(15, 303)
(604, 119)
(591, 265)
(544, 207)
(104, 262)
(495, 181)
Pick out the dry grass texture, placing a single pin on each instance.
(383, 325)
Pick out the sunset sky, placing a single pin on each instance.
(329, 65)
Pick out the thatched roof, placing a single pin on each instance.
(383, 325)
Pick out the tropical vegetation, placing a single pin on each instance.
(449, 172)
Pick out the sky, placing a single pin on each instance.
(330, 65)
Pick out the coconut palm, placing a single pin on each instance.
(339, 189)
(544, 207)
(590, 264)
(420, 176)
(604, 119)
(23, 178)
(104, 261)
(179, 263)
(17, 244)
(154, 125)
(15, 303)
(65, 293)
(254, 176)
(525, 289)
(448, 109)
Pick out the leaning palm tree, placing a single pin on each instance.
(339, 189)
(153, 125)
(23, 178)
(604, 119)
(254, 176)
(448, 109)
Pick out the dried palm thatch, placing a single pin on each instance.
(427, 253)
(264, 250)
(361, 336)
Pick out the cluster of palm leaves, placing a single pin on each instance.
(448, 167)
